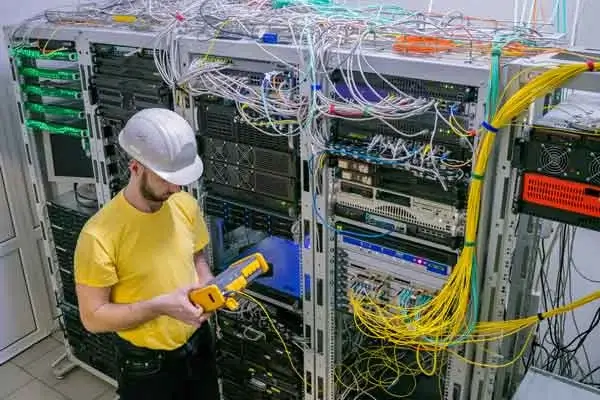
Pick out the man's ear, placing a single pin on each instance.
(135, 168)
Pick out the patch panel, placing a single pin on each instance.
(361, 132)
(355, 173)
(252, 72)
(52, 107)
(383, 288)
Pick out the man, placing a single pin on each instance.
(138, 258)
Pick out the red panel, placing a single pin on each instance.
(561, 194)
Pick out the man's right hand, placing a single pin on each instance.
(177, 305)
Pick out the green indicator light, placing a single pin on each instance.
(56, 129)
(357, 135)
(51, 92)
(54, 110)
(49, 55)
(61, 74)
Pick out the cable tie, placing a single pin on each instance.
(540, 316)
(489, 127)
(470, 244)
(477, 177)
(591, 65)
(332, 109)
(315, 86)
(179, 17)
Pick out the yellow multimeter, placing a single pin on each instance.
(220, 291)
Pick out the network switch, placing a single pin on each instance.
(400, 212)
(425, 266)
(125, 80)
(374, 87)
(236, 214)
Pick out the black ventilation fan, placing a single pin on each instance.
(245, 155)
(217, 148)
(245, 179)
(216, 172)
(593, 175)
(554, 160)
(568, 154)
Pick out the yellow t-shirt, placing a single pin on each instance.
(143, 255)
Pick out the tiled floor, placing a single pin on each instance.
(29, 377)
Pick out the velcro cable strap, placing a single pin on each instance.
(489, 127)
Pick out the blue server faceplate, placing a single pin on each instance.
(284, 256)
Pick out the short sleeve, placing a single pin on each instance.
(93, 264)
(201, 236)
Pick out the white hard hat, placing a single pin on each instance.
(164, 142)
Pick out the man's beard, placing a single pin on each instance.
(149, 194)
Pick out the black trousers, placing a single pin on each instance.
(186, 373)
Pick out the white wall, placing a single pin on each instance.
(13, 158)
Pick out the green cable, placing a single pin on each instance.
(39, 55)
(59, 74)
(54, 110)
(560, 8)
(494, 83)
(56, 129)
(45, 91)
(329, 9)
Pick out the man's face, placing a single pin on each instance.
(154, 188)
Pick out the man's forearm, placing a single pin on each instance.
(112, 317)
(202, 268)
